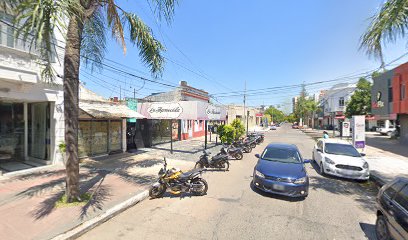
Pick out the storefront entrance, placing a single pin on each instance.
(23, 145)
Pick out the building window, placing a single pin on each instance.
(341, 102)
(6, 30)
(402, 91)
(390, 95)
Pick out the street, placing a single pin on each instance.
(335, 208)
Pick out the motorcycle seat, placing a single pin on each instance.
(219, 156)
(190, 174)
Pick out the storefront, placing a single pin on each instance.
(102, 128)
(181, 120)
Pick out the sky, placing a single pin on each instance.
(223, 46)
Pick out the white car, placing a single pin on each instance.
(340, 158)
(386, 130)
(273, 127)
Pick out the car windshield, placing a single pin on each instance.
(341, 149)
(281, 155)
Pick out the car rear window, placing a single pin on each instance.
(394, 188)
(402, 198)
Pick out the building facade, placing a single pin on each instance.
(243, 114)
(334, 104)
(382, 100)
(31, 110)
(400, 100)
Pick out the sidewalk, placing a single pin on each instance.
(386, 157)
(27, 202)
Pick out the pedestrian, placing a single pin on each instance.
(325, 135)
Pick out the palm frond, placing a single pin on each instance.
(115, 23)
(93, 44)
(387, 25)
(165, 8)
(150, 49)
(36, 22)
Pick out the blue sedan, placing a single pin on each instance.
(280, 170)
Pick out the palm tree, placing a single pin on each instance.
(387, 25)
(87, 21)
(312, 107)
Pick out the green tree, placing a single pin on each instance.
(276, 114)
(301, 106)
(239, 128)
(85, 34)
(390, 23)
(360, 102)
(226, 133)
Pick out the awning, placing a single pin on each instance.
(108, 110)
(259, 115)
(340, 117)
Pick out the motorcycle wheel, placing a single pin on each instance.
(198, 165)
(225, 165)
(249, 149)
(239, 156)
(253, 145)
(204, 187)
(157, 192)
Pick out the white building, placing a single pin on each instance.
(31, 111)
(334, 103)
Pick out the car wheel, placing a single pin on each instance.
(389, 134)
(322, 170)
(381, 229)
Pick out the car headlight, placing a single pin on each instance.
(259, 174)
(365, 165)
(300, 180)
(329, 161)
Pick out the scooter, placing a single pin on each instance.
(246, 146)
(218, 161)
(232, 151)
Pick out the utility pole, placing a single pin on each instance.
(245, 119)
(134, 94)
(120, 93)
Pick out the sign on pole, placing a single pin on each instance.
(346, 129)
(359, 131)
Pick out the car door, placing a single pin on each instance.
(318, 154)
(401, 212)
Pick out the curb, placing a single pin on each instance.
(377, 180)
(92, 223)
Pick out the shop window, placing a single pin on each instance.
(99, 137)
(85, 138)
(39, 130)
(11, 131)
(6, 30)
(115, 135)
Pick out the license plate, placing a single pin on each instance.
(278, 187)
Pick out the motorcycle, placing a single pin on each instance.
(258, 137)
(232, 151)
(246, 146)
(218, 161)
(178, 182)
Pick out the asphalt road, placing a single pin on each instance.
(334, 209)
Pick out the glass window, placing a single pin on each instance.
(341, 102)
(394, 188)
(341, 149)
(39, 130)
(115, 135)
(402, 91)
(7, 30)
(11, 131)
(281, 155)
(402, 198)
(390, 95)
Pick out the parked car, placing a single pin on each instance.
(391, 130)
(340, 158)
(392, 210)
(280, 170)
(273, 127)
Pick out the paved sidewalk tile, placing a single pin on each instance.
(28, 201)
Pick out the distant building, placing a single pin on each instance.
(241, 113)
(294, 103)
(182, 93)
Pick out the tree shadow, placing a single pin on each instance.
(386, 144)
(32, 175)
(363, 192)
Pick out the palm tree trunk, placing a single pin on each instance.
(313, 118)
(71, 106)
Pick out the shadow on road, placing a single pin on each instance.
(363, 192)
(386, 144)
(369, 230)
(275, 196)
